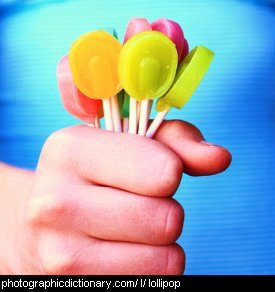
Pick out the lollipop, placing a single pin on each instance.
(135, 26)
(189, 75)
(172, 30)
(175, 33)
(75, 102)
(147, 68)
(185, 50)
(94, 60)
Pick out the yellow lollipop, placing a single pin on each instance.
(190, 73)
(94, 62)
(147, 68)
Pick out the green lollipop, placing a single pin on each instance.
(147, 68)
(189, 75)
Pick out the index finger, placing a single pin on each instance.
(128, 162)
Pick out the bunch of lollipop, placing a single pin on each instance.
(103, 78)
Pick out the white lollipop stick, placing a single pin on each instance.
(138, 111)
(133, 116)
(125, 125)
(116, 114)
(96, 123)
(108, 114)
(146, 107)
(156, 123)
(144, 117)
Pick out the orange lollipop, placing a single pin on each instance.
(94, 62)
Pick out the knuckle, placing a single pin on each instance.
(171, 175)
(166, 221)
(56, 263)
(56, 148)
(173, 222)
(175, 260)
(46, 209)
(55, 254)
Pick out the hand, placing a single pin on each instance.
(101, 202)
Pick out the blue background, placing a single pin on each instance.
(230, 218)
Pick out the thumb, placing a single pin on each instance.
(199, 157)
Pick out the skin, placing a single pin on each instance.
(101, 203)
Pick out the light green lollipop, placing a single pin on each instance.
(147, 68)
(190, 73)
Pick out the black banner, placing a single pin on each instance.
(45, 283)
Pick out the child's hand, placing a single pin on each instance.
(101, 202)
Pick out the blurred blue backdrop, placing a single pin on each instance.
(230, 218)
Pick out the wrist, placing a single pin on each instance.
(14, 190)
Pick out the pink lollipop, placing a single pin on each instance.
(75, 102)
(139, 112)
(174, 31)
(185, 51)
(135, 26)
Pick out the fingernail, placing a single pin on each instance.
(205, 143)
